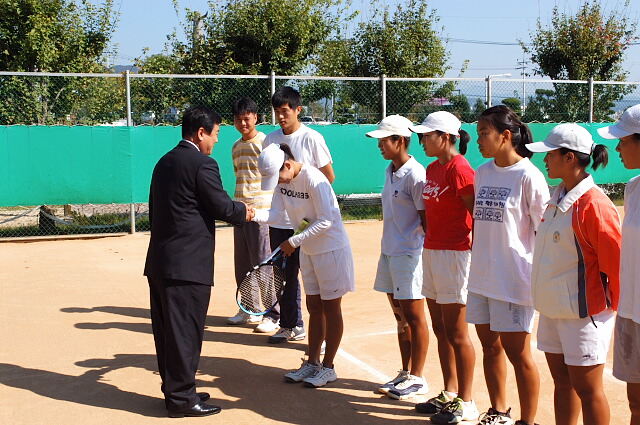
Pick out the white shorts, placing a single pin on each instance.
(445, 275)
(400, 276)
(502, 316)
(583, 342)
(329, 274)
(626, 350)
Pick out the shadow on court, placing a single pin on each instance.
(256, 388)
(229, 335)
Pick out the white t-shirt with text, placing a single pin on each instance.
(307, 146)
(509, 204)
(309, 196)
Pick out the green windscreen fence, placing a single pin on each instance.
(102, 165)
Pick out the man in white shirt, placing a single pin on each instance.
(308, 147)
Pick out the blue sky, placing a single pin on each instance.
(146, 23)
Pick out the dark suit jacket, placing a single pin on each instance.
(186, 198)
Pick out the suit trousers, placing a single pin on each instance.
(290, 303)
(178, 315)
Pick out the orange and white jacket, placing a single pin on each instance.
(576, 259)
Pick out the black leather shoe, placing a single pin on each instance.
(201, 396)
(200, 409)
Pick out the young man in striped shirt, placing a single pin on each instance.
(251, 242)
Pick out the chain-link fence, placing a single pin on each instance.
(155, 100)
(145, 99)
(56, 220)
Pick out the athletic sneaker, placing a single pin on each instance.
(307, 369)
(434, 404)
(321, 377)
(493, 417)
(402, 375)
(456, 412)
(267, 325)
(288, 334)
(521, 422)
(242, 317)
(410, 387)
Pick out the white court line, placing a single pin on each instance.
(378, 375)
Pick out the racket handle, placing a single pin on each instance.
(273, 255)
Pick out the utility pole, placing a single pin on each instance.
(523, 67)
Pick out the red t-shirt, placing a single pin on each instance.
(448, 220)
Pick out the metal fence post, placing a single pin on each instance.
(590, 99)
(127, 79)
(383, 89)
(272, 78)
(488, 80)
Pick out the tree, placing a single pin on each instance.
(582, 46)
(253, 37)
(55, 36)
(256, 36)
(405, 43)
(514, 104)
(479, 107)
(156, 95)
(461, 108)
(541, 107)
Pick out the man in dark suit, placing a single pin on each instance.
(186, 198)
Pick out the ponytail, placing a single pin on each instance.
(525, 138)
(287, 153)
(464, 141)
(600, 155)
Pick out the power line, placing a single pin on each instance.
(499, 43)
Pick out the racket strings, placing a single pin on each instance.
(260, 289)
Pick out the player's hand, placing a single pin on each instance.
(287, 248)
(251, 212)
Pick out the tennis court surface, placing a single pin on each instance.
(77, 346)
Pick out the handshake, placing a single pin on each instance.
(251, 212)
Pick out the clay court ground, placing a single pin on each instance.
(77, 346)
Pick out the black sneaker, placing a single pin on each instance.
(434, 404)
(456, 412)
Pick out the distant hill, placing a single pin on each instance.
(119, 69)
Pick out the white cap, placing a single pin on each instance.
(570, 136)
(393, 125)
(439, 121)
(629, 123)
(270, 162)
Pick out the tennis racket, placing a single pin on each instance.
(263, 286)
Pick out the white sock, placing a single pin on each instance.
(450, 394)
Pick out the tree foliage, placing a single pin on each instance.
(404, 43)
(586, 45)
(541, 107)
(514, 104)
(55, 36)
(156, 96)
(254, 37)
